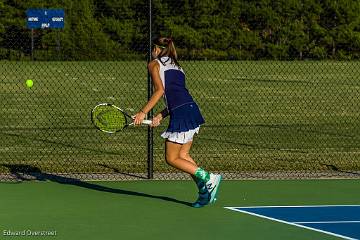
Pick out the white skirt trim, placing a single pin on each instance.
(181, 137)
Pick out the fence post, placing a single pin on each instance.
(32, 44)
(150, 138)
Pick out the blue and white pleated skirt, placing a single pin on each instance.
(185, 122)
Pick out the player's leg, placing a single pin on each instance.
(212, 181)
(185, 154)
(204, 196)
(173, 158)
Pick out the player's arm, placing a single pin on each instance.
(160, 116)
(163, 114)
(154, 69)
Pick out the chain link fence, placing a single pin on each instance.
(272, 109)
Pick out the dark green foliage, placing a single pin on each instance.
(206, 29)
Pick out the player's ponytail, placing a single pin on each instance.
(166, 44)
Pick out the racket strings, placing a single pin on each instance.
(109, 119)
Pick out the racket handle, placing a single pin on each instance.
(147, 122)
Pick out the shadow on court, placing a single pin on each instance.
(336, 169)
(57, 143)
(23, 172)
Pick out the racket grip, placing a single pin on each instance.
(147, 122)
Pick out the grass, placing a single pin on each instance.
(260, 116)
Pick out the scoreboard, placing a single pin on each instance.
(45, 18)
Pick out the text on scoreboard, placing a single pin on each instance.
(45, 18)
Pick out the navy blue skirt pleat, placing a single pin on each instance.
(184, 118)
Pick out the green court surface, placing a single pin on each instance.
(160, 209)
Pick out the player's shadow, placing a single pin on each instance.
(336, 169)
(23, 172)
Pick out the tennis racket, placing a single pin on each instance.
(110, 119)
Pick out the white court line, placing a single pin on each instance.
(297, 206)
(289, 223)
(330, 222)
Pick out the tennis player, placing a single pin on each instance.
(168, 79)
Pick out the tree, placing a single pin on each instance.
(211, 29)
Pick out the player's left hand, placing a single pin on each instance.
(156, 121)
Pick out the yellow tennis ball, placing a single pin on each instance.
(29, 83)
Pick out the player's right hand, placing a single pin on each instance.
(138, 118)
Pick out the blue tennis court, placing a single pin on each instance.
(338, 220)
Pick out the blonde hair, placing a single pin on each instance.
(166, 44)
